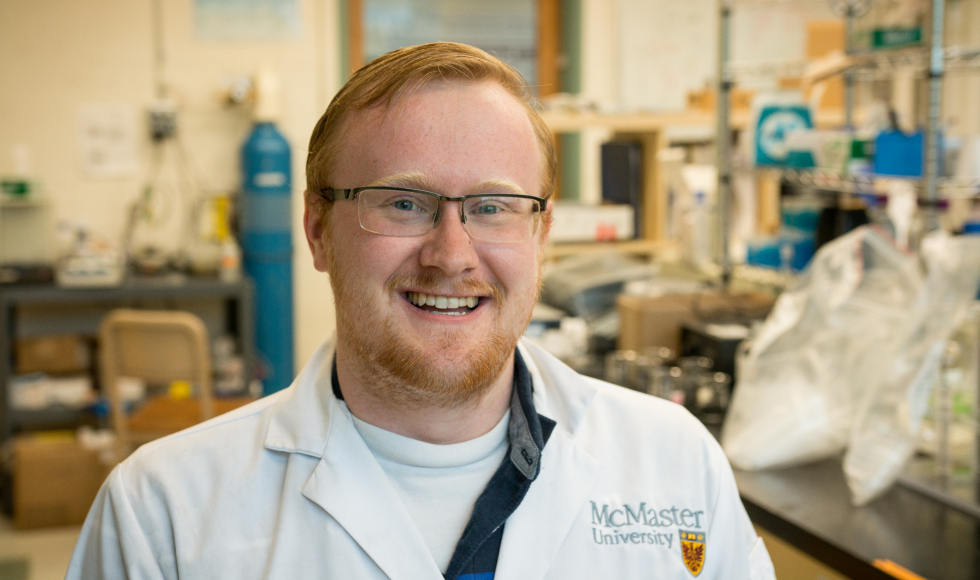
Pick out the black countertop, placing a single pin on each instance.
(809, 507)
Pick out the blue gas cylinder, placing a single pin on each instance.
(267, 249)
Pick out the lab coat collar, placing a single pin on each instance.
(350, 485)
(347, 482)
(301, 418)
(559, 392)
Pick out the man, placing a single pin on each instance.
(429, 443)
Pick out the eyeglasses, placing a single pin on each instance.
(403, 212)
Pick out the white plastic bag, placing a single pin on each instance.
(797, 388)
(901, 373)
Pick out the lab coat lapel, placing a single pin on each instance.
(350, 485)
(554, 500)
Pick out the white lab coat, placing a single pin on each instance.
(285, 488)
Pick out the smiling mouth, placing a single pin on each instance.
(449, 305)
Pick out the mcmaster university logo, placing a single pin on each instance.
(692, 548)
(642, 524)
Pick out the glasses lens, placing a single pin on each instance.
(501, 218)
(396, 213)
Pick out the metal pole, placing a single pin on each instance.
(933, 138)
(849, 17)
(724, 141)
(159, 54)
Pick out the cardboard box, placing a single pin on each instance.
(822, 38)
(53, 354)
(706, 99)
(55, 480)
(657, 320)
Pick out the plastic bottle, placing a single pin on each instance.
(230, 263)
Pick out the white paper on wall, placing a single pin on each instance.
(254, 20)
(107, 139)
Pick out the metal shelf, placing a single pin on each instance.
(55, 417)
(768, 69)
(866, 63)
(955, 58)
(818, 178)
(768, 3)
(822, 179)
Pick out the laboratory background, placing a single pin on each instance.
(768, 211)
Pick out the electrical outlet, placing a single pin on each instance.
(163, 119)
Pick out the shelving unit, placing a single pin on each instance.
(934, 59)
(235, 297)
(649, 131)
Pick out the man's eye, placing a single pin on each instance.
(405, 205)
(488, 209)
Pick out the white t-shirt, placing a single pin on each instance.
(439, 484)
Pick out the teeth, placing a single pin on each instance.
(443, 302)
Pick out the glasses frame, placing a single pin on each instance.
(331, 194)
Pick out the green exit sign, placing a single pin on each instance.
(895, 37)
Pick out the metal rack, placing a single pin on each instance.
(866, 65)
(831, 181)
(237, 298)
(935, 60)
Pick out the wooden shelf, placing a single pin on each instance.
(638, 247)
(566, 122)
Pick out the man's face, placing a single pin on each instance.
(453, 139)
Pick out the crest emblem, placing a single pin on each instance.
(692, 549)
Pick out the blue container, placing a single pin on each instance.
(797, 248)
(764, 252)
(267, 248)
(899, 154)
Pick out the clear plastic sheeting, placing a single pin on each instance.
(901, 372)
(798, 378)
(849, 356)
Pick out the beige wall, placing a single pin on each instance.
(56, 55)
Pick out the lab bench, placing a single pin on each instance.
(233, 300)
(809, 507)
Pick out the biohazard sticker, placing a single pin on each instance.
(692, 548)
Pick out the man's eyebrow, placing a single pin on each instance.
(497, 186)
(418, 180)
(411, 180)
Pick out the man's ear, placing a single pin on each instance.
(314, 216)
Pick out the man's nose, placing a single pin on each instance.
(448, 246)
